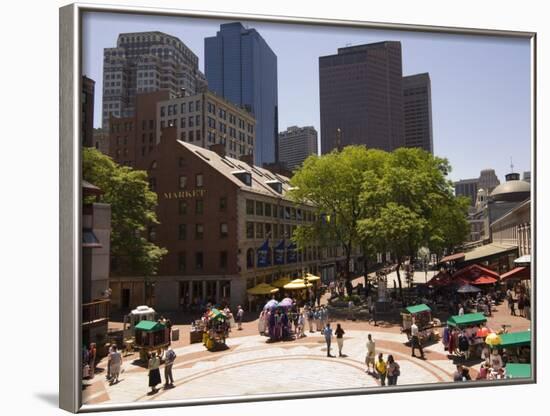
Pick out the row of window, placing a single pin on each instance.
(199, 260)
(199, 231)
(308, 254)
(265, 209)
(267, 230)
(183, 206)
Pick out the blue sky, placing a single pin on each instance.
(481, 104)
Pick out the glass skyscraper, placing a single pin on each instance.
(241, 67)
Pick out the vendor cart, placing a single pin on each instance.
(141, 313)
(464, 321)
(216, 330)
(422, 315)
(517, 345)
(151, 336)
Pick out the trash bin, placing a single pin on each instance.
(175, 334)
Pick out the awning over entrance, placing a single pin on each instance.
(521, 273)
(488, 250)
(523, 260)
(453, 257)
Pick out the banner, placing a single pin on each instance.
(263, 257)
(291, 253)
(280, 253)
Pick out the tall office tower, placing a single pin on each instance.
(241, 67)
(417, 111)
(488, 180)
(146, 62)
(87, 111)
(467, 187)
(361, 97)
(296, 144)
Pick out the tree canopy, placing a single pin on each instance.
(380, 201)
(132, 211)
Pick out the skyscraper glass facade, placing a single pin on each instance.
(241, 67)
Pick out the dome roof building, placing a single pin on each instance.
(513, 190)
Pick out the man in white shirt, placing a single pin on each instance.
(415, 340)
(371, 354)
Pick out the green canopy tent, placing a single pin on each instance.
(418, 308)
(515, 339)
(466, 320)
(149, 326)
(518, 370)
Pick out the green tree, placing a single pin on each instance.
(449, 227)
(333, 184)
(408, 204)
(132, 211)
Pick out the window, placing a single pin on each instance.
(223, 259)
(259, 208)
(199, 206)
(162, 111)
(182, 232)
(190, 106)
(223, 230)
(250, 258)
(182, 182)
(198, 180)
(182, 207)
(274, 211)
(267, 230)
(259, 230)
(249, 207)
(182, 122)
(223, 203)
(292, 213)
(199, 260)
(268, 210)
(199, 231)
(191, 124)
(181, 162)
(249, 230)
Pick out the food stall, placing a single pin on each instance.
(517, 345)
(216, 329)
(466, 320)
(151, 336)
(141, 313)
(518, 370)
(422, 315)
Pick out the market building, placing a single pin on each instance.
(226, 224)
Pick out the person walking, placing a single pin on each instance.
(415, 340)
(115, 362)
(300, 332)
(309, 313)
(371, 354)
(154, 372)
(381, 369)
(393, 371)
(339, 338)
(169, 362)
(521, 305)
(327, 332)
(240, 314)
(92, 353)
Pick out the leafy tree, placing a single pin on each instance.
(132, 211)
(333, 184)
(408, 205)
(449, 227)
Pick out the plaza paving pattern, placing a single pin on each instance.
(252, 366)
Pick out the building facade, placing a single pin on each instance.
(146, 62)
(417, 111)
(514, 228)
(206, 119)
(241, 67)
(488, 180)
(361, 97)
(87, 114)
(296, 144)
(226, 225)
(467, 188)
(96, 245)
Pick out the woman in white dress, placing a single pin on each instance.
(261, 323)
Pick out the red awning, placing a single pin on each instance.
(522, 273)
(474, 271)
(484, 280)
(452, 257)
(440, 279)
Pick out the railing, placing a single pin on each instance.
(95, 312)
